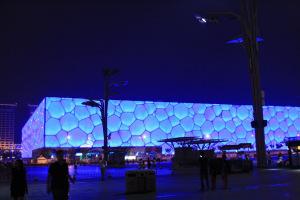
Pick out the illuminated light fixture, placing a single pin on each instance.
(207, 136)
(68, 137)
(206, 19)
(144, 136)
(240, 40)
(200, 19)
(79, 154)
(130, 157)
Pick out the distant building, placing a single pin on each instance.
(7, 125)
(67, 123)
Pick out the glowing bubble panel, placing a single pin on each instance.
(33, 131)
(142, 123)
(78, 126)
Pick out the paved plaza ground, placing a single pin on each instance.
(184, 184)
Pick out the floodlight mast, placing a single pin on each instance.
(103, 105)
(107, 74)
(248, 21)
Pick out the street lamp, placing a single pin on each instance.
(248, 20)
(103, 104)
(92, 103)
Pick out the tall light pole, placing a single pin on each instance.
(107, 74)
(248, 20)
(103, 105)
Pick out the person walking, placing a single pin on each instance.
(58, 178)
(269, 160)
(18, 186)
(225, 170)
(213, 168)
(103, 165)
(203, 161)
(280, 160)
(154, 165)
(148, 163)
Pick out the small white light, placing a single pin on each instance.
(144, 136)
(130, 158)
(207, 136)
(68, 137)
(200, 19)
(203, 20)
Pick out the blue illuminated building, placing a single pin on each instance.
(65, 122)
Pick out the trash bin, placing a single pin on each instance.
(141, 181)
(135, 181)
(131, 182)
(150, 181)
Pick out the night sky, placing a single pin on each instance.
(60, 49)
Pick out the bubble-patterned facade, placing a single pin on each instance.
(33, 131)
(65, 122)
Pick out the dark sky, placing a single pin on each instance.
(59, 49)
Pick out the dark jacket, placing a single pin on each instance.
(18, 186)
(203, 162)
(59, 173)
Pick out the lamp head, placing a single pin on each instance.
(200, 19)
(206, 19)
(91, 103)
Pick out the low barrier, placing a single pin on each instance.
(140, 181)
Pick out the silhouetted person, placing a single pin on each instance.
(148, 163)
(154, 164)
(142, 164)
(269, 159)
(225, 170)
(246, 157)
(18, 187)
(58, 178)
(213, 168)
(280, 160)
(203, 161)
(103, 165)
(75, 171)
(75, 165)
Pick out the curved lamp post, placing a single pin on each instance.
(103, 104)
(248, 21)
